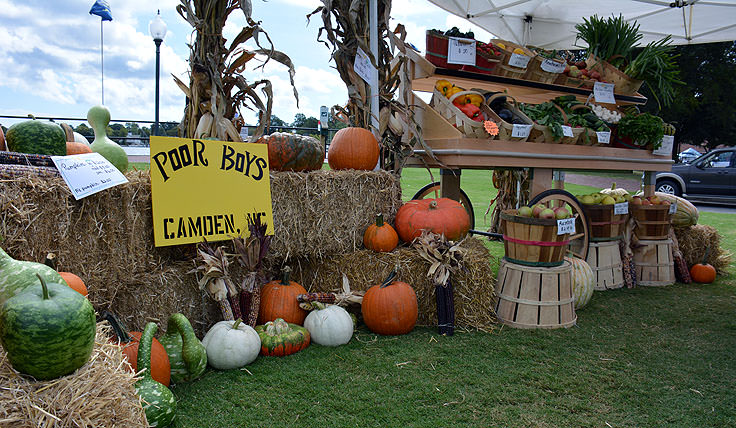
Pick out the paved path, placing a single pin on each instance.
(603, 182)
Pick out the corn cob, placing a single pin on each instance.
(316, 297)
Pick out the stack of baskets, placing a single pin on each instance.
(604, 257)
(653, 253)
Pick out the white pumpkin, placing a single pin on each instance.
(583, 281)
(331, 326)
(231, 345)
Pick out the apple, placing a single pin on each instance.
(608, 200)
(547, 214)
(636, 200)
(587, 200)
(525, 211)
(561, 213)
(654, 199)
(536, 209)
(597, 198)
(645, 202)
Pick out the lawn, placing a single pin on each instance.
(643, 357)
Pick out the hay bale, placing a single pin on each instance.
(473, 287)
(99, 394)
(693, 242)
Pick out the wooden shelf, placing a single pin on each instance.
(524, 91)
(472, 153)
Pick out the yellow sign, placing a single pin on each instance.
(205, 189)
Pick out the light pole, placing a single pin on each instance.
(157, 28)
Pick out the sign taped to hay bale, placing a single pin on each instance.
(205, 189)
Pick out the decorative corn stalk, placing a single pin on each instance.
(682, 273)
(217, 89)
(216, 280)
(250, 252)
(627, 255)
(513, 190)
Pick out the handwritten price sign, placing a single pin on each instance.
(88, 173)
(461, 51)
(566, 225)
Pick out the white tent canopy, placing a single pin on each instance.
(551, 23)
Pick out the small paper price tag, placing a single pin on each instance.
(566, 131)
(603, 93)
(665, 149)
(521, 131)
(519, 60)
(566, 225)
(87, 173)
(551, 66)
(622, 208)
(363, 66)
(461, 51)
(604, 137)
(673, 208)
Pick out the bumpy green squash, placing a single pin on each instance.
(686, 215)
(279, 338)
(187, 355)
(159, 402)
(99, 117)
(48, 330)
(37, 136)
(293, 152)
(17, 275)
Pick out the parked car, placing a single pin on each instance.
(709, 178)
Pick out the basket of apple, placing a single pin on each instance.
(530, 235)
(652, 216)
(607, 214)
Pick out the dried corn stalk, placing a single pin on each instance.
(216, 280)
(251, 251)
(513, 190)
(217, 89)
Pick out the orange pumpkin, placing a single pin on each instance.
(75, 283)
(353, 148)
(380, 237)
(390, 308)
(703, 273)
(278, 300)
(75, 148)
(293, 152)
(442, 216)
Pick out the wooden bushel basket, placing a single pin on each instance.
(652, 221)
(504, 69)
(654, 263)
(532, 241)
(605, 260)
(534, 297)
(604, 224)
(437, 51)
(535, 73)
(624, 84)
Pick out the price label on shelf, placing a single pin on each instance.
(604, 137)
(363, 67)
(665, 149)
(673, 207)
(603, 93)
(552, 66)
(566, 225)
(566, 131)
(521, 131)
(461, 51)
(519, 60)
(622, 208)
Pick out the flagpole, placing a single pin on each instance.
(102, 64)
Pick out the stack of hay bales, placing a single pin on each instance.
(695, 240)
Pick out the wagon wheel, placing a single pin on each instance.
(578, 241)
(432, 190)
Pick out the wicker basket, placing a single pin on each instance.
(536, 73)
(455, 116)
(532, 241)
(652, 221)
(624, 84)
(505, 129)
(437, 51)
(504, 69)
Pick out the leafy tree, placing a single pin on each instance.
(276, 121)
(85, 130)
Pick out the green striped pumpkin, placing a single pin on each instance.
(158, 401)
(187, 355)
(583, 281)
(17, 275)
(37, 136)
(280, 338)
(48, 330)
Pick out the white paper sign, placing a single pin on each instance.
(566, 131)
(521, 131)
(603, 93)
(519, 60)
(461, 51)
(622, 208)
(604, 137)
(666, 148)
(88, 173)
(363, 67)
(673, 207)
(566, 225)
(551, 66)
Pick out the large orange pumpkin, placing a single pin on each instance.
(75, 148)
(353, 148)
(278, 300)
(380, 236)
(390, 308)
(442, 216)
(293, 152)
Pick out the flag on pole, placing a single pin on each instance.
(102, 9)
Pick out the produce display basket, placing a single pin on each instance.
(624, 84)
(543, 133)
(651, 221)
(604, 224)
(455, 116)
(504, 69)
(532, 241)
(484, 63)
(574, 82)
(505, 129)
(437, 51)
(590, 138)
(536, 73)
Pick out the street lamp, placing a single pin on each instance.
(157, 28)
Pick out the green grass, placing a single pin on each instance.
(643, 357)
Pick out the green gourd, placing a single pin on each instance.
(187, 355)
(17, 275)
(48, 330)
(158, 401)
(99, 117)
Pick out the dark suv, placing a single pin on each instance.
(709, 178)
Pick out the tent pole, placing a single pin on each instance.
(373, 38)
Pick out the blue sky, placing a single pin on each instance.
(52, 56)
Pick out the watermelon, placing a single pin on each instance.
(583, 281)
(48, 330)
(37, 136)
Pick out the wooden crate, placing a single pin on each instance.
(654, 263)
(535, 297)
(604, 224)
(605, 259)
(532, 241)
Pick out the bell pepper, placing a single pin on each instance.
(472, 111)
(475, 99)
(454, 90)
(443, 86)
